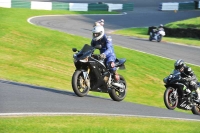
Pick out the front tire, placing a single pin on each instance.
(78, 84)
(159, 38)
(196, 109)
(150, 38)
(118, 94)
(170, 99)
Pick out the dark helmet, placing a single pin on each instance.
(179, 64)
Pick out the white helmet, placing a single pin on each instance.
(97, 32)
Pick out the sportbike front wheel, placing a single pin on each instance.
(170, 98)
(196, 109)
(159, 38)
(79, 84)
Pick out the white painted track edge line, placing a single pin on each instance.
(88, 114)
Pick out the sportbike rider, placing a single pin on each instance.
(188, 77)
(107, 51)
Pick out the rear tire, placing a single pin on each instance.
(119, 94)
(170, 100)
(78, 84)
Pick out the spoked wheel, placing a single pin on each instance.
(171, 98)
(196, 109)
(79, 84)
(118, 94)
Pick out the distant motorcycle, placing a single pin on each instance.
(91, 74)
(178, 95)
(156, 35)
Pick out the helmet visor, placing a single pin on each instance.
(96, 34)
(179, 68)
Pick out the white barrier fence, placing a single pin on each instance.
(190, 5)
(41, 5)
(50, 5)
(169, 6)
(114, 7)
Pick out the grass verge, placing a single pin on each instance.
(95, 124)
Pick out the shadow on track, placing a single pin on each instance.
(46, 89)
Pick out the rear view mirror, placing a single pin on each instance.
(74, 49)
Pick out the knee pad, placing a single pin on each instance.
(193, 85)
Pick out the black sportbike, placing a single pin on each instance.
(179, 95)
(91, 74)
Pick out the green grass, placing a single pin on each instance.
(189, 23)
(95, 124)
(40, 56)
(142, 32)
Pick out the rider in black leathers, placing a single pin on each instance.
(188, 76)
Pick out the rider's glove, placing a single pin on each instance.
(102, 56)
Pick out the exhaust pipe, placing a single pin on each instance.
(118, 85)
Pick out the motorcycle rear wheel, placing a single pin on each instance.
(170, 100)
(119, 94)
(78, 84)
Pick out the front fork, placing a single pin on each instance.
(174, 94)
(86, 77)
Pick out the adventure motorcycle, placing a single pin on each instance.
(178, 95)
(156, 35)
(91, 74)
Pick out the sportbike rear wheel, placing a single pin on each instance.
(118, 94)
(170, 98)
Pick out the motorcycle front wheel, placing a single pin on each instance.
(170, 98)
(150, 38)
(196, 109)
(159, 38)
(78, 84)
(118, 94)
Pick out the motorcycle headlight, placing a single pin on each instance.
(84, 60)
(165, 80)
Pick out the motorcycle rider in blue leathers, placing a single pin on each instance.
(106, 51)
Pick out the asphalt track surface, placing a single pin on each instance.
(18, 98)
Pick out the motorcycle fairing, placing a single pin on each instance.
(99, 75)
